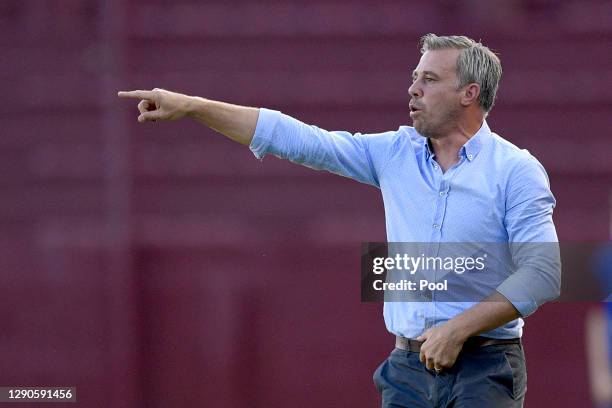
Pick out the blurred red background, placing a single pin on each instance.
(162, 265)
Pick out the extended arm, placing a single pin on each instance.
(268, 132)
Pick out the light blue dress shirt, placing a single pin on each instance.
(495, 193)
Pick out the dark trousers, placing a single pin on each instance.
(485, 377)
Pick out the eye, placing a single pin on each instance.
(429, 79)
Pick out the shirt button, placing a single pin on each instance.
(470, 156)
(442, 193)
(435, 166)
(436, 226)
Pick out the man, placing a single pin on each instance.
(447, 179)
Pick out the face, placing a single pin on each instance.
(435, 101)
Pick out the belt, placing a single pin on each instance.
(414, 346)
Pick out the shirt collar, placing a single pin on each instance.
(471, 148)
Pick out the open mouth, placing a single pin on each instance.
(414, 108)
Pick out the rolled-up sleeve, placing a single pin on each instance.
(338, 152)
(533, 240)
(266, 123)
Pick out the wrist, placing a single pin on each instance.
(193, 105)
(459, 332)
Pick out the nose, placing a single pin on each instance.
(415, 90)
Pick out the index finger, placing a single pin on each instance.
(136, 94)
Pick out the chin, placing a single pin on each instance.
(425, 131)
(418, 125)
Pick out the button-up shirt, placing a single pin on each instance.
(495, 193)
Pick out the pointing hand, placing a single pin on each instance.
(159, 104)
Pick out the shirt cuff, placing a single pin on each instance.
(511, 290)
(264, 132)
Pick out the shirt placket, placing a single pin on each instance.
(435, 237)
(442, 181)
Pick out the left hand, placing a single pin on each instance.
(441, 347)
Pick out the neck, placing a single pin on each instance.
(446, 148)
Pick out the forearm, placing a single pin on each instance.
(234, 121)
(491, 313)
(442, 344)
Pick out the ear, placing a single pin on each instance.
(470, 94)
